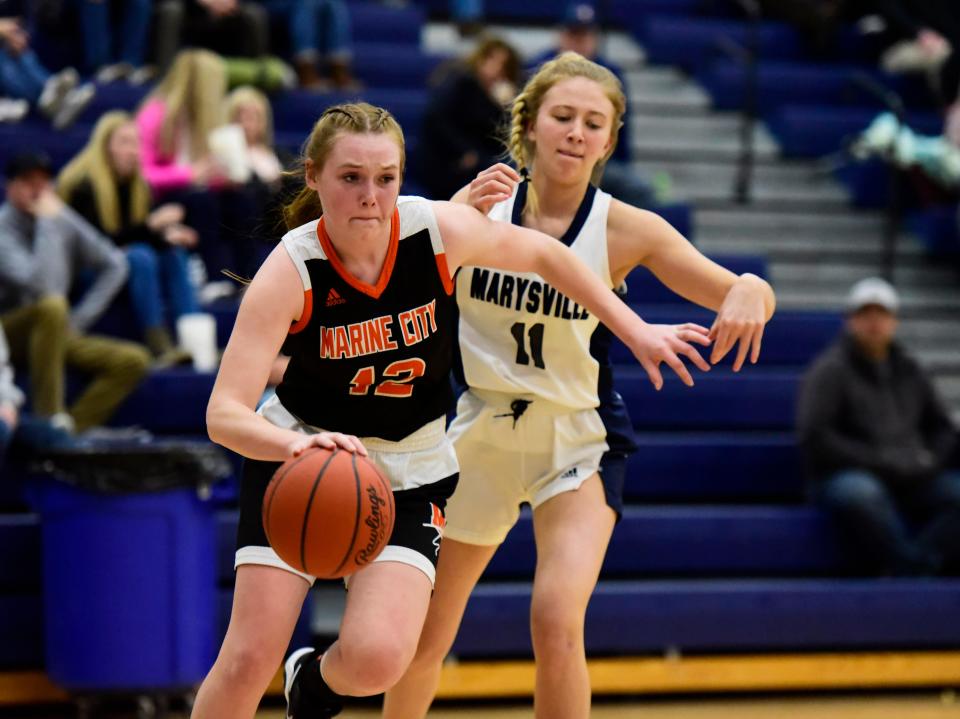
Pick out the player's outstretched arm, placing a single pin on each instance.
(744, 304)
(272, 302)
(472, 239)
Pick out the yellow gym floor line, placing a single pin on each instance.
(646, 675)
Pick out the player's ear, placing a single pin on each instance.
(310, 174)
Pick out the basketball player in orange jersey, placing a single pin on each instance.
(362, 298)
(540, 422)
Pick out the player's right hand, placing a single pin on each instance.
(327, 440)
(493, 185)
(658, 344)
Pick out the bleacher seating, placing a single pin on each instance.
(636, 617)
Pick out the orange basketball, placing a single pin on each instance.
(328, 512)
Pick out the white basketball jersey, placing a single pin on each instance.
(518, 335)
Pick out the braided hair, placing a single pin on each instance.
(527, 104)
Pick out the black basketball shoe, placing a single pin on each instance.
(303, 700)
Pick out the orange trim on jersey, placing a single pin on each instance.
(305, 315)
(366, 288)
(444, 272)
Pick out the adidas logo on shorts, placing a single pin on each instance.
(570, 473)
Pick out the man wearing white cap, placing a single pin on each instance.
(876, 439)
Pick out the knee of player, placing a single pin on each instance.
(375, 664)
(249, 663)
(555, 624)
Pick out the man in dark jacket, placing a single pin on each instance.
(876, 440)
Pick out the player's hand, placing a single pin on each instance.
(48, 204)
(328, 440)
(741, 319)
(169, 213)
(13, 34)
(493, 185)
(9, 415)
(658, 344)
(207, 170)
(181, 236)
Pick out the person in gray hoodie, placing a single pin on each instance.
(877, 441)
(46, 251)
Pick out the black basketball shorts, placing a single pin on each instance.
(417, 527)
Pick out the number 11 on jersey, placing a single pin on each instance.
(535, 333)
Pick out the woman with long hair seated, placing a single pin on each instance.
(105, 184)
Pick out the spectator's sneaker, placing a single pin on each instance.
(63, 421)
(142, 75)
(112, 73)
(55, 91)
(13, 110)
(74, 103)
(299, 705)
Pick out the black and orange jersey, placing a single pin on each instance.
(372, 360)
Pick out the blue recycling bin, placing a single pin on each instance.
(129, 588)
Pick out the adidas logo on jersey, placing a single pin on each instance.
(334, 298)
(569, 473)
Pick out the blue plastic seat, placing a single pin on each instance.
(393, 66)
(698, 540)
(377, 22)
(715, 466)
(690, 42)
(629, 618)
(644, 288)
(757, 399)
(813, 130)
(172, 401)
(791, 338)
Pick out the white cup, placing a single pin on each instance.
(228, 145)
(197, 333)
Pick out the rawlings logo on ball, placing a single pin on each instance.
(375, 522)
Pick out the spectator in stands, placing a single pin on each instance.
(59, 96)
(176, 121)
(232, 28)
(580, 33)
(319, 32)
(465, 115)
(925, 37)
(267, 185)
(46, 252)
(11, 397)
(116, 51)
(250, 109)
(22, 434)
(105, 185)
(876, 439)
(468, 15)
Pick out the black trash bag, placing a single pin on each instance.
(124, 467)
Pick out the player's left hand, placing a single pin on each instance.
(493, 185)
(741, 318)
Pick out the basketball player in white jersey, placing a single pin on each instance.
(540, 421)
(362, 298)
